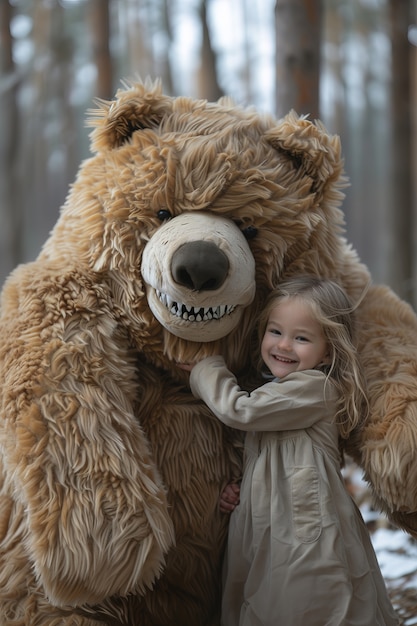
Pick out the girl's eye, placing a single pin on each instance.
(163, 215)
(303, 339)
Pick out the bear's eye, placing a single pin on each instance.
(250, 232)
(163, 215)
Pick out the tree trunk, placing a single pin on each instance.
(10, 218)
(298, 35)
(166, 64)
(401, 221)
(413, 163)
(208, 86)
(100, 35)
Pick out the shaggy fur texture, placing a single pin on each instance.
(110, 470)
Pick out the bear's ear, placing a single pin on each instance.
(312, 149)
(136, 107)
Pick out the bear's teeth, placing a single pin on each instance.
(192, 314)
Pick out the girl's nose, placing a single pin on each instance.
(284, 343)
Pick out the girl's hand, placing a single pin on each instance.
(229, 498)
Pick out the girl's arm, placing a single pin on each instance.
(298, 401)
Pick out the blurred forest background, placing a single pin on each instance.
(57, 56)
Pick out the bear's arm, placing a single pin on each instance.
(387, 448)
(95, 508)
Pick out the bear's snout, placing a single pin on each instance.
(200, 265)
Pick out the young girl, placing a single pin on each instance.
(299, 553)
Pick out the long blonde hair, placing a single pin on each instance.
(334, 311)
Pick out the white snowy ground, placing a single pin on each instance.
(396, 551)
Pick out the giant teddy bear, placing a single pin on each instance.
(185, 217)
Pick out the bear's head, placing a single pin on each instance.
(190, 212)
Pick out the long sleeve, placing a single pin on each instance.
(298, 401)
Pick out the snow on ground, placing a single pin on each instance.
(396, 551)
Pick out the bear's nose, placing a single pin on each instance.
(199, 265)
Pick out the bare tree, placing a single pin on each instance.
(298, 36)
(165, 62)
(208, 86)
(100, 34)
(9, 209)
(401, 221)
(136, 36)
(413, 163)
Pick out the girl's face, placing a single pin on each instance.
(293, 339)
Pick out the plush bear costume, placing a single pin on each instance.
(172, 235)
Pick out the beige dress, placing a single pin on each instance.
(299, 553)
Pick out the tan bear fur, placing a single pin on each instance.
(110, 470)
